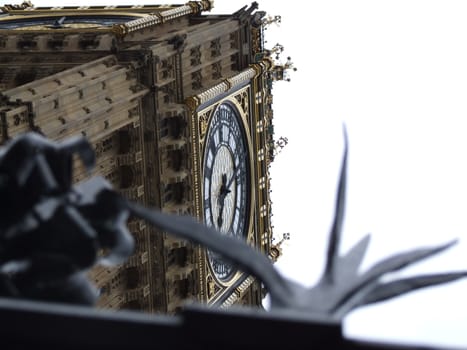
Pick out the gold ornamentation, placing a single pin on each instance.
(256, 40)
(212, 287)
(242, 99)
(192, 102)
(203, 124)
(238, 292)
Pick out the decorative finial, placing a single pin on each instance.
(280, 70)
(277, 50)
(276, 249)
(285, 237)
(280, 144)
(23, 6)
(270, 20)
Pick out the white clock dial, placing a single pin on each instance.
(226, 181)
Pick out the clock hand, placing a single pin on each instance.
(221, 200)
(58, 23)
(224, 189)
(234, 175)
(220, 219)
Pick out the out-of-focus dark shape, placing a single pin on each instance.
(53, 232)
(340, 290)
(50, 231)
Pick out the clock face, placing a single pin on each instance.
(62, 22)
(226, 181)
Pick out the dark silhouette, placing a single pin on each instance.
(51, 232)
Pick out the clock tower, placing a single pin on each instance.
(178, 107)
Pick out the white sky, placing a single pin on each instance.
(396, 73)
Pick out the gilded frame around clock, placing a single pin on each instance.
(240, 99)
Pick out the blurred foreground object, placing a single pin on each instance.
(52, 232)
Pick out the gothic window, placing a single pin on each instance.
(233, 41)
(216, 70)
(176, 126)
(196, 80)
(216, 47)
(165, 69)
(173, 127)
(168, 93)
(175, 192)
(126, 176)
(234, 62)
(132, 277)
(176, 159)
(181, 256)
(124, 144)
(195, 56)
(183, 287)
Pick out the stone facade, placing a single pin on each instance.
(140, 83)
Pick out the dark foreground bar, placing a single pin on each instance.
(29, 324)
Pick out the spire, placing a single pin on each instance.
(271, 20)
(279, 69)
(276, 249)
(280, 144)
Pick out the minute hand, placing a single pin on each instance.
(234, 175)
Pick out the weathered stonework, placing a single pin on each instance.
(141, 84)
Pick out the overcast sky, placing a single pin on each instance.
(395, 72)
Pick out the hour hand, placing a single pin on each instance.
(221, 199)
(220, 219)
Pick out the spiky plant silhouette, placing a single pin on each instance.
(340, 289)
